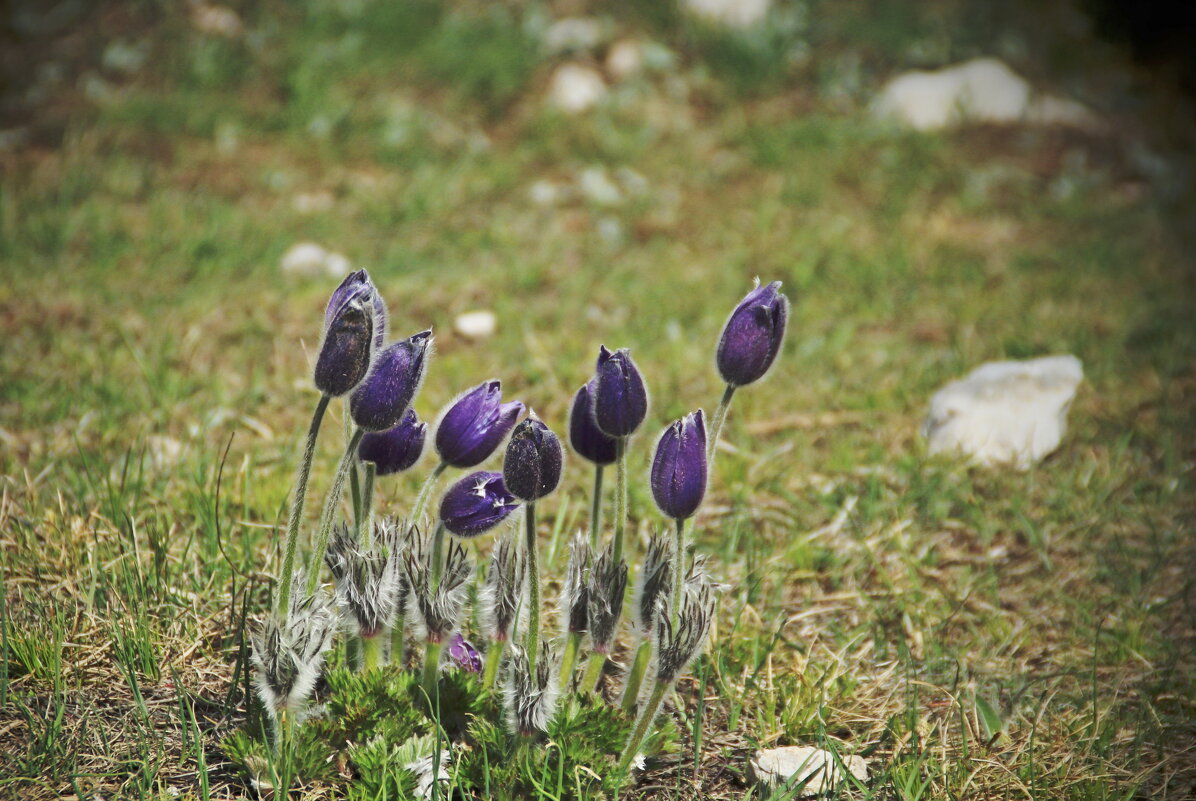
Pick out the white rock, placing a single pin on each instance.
(731, 13)
(476, 324)
(814, 770)
(597, 187)
(546, 193)
(576, 88)
(309, 260)
(1011, 412)
(980, 90)
(625, 59)
(216, 20)
(573, 34)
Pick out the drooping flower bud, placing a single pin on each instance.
(474, 424)
(501, 594)
(608, 582)
(653, 581)
(620, 397)
(752, 336)
(386, 393)
(586, 439)
(395, 449)
(679, 467)
(476, 504)
(575, 595)
(532, 467)
(531, 699)
(354, 326)
(464, 655)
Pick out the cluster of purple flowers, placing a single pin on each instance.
(394, 576)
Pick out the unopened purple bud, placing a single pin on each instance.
(462, 652)
(395, 449)
(354, 324)
(532, 467)
(476, 504)
(679, 467)
(386, 394)
(620, 397)
(585, 437)
(474, 424)
(752, 336)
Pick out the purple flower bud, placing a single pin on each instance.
(462, 652)
(679, 467)
(386, 394)
(532, 467)
(474, 424)
(752, 336)
(620, 397)
(584, 435)
(354, 325)
(395, 449)
(476, 504)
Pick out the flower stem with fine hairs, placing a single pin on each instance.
(720, 415)
(572, 643)
(679, 565)
(533, 584)
(493, 660)
(642, 722)
(371, 652)
(330, 504)
(593, 674)
(635, 675)
(437, 555)
(293, 521)
(620, 495)
(422, 499)
(596, 507)
(367, 503)
(432, 669)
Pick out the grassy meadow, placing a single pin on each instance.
(976, 634)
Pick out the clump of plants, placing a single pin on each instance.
(374, 677)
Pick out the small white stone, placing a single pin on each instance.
(576, 88)
(545, 193)
(1012, 412)
(814, 770)
(476, 324)
(309, 260)
(625, 59)
(983, 89)
(596, 185)
(573, 34)
(216, 20)
(731, 13)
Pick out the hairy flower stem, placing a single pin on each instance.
(432, 669)
(398, 640)
(367, 504)
(330, 504)
(642, 722)
(355, 497)
(620, 496)
(589, 681)
(533, 584)
(720, 415)
(596, 507)
(679, 571)
(493, 660)
(371, 652)
(437, 555)
(288, 559)
(635, 676)
(572, 643)
(421, 500)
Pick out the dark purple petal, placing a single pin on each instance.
(386, 393)
(357, 286)
(679, 467)
(462, 652)
(474, 425)
(532, 467)
(620, 397)
(476, 504)
(585, 437)
(752, 336)
(395, 449)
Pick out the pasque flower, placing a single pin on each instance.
(367, 579)
(532, 467)
(386, 393)
(474, 424)
(503, 589)
(620, 397)
(586, 439)
(653, 581)
(476, 504)
(354, 327)
(679, 467)
(608, 582)
(395, 449)
(464, 655)
(752, 336)
(531, 693)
